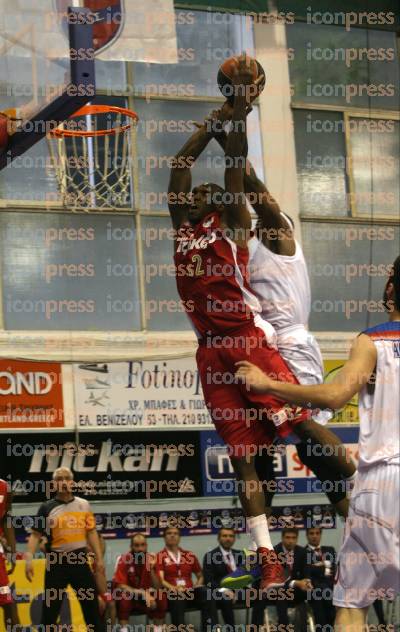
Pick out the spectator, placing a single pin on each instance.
(7, 547)
(176, 567)
(135, 585)
(70, 527)
(218, 563)
(291, 557)
(319, 565)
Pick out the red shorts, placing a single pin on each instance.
(126, 607)
(5, 591)
(242, 417)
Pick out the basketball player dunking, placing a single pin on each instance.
(369, 559)
(279, 278)
(211, 257)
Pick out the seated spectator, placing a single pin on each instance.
(135, 585)
(291, 557)
(319, 565)
(218, 563)
(175, 567)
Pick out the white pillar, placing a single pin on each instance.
(276, 119)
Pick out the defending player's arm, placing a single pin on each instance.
(277, 234)
(180, 182)
(355, 374)
(237, 215)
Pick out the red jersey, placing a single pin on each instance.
(178, 567)
(3, 502)
(212, 278)
(132, 574)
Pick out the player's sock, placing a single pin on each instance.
(123, 628)
(253, 545)
(259, 532)
(158, 628)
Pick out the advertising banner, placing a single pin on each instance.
(106, 466)
(155, 394)
(30, 394)
(29, 597)
(291, 475)
(122, 525)
(139, 394)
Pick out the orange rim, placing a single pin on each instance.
(97, 109)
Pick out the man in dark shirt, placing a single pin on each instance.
(218, 563)
(293, 594)
(318, 564)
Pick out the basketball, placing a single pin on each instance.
(225, 74)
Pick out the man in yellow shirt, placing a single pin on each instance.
(69, 526)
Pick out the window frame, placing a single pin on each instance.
(349, 112)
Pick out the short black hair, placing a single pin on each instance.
(286, 530)
(226, 529)
(315, 527)
(169, 529)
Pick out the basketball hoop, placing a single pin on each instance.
(91, 158)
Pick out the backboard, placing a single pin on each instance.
(46, 68)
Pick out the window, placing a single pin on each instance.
(345, 101)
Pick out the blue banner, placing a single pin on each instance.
(291, 475)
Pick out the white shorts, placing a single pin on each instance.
(369, 558)
(302, 354)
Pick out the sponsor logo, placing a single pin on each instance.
(31, 382)
(105, 459)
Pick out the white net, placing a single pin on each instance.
(93, 170)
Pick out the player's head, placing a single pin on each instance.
(172, 536)
(138, 547)
(63, 480)
(391, 294)
(290, 536)
(226, 537)
(206, 198)
(313, 535)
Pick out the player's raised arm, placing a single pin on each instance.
(237, 215)
(180, 182)
(350, 380)
(264, 204)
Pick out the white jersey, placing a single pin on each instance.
(379, 406)
(282, 285)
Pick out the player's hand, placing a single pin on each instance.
(151, 561)
(229, 594)
(254, 378)
(150, 601)
(29, 570)
(303, 584)
(11, 562)
(243, 77)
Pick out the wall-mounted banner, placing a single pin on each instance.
(154, 394)
(30, 394)
(137, 394)
(291, 475)
(196, 522)
(106, 466)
